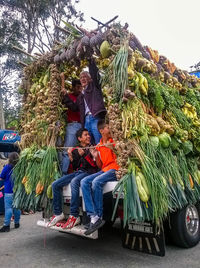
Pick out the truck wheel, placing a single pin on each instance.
(185, 229)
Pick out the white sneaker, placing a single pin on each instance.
(56, 219)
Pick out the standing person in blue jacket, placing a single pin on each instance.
(6, 176)
(90, 102)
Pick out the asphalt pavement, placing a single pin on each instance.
(33, 246)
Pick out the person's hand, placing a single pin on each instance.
(94, 153)
(63, 91)
(69, 151)
(81, 151)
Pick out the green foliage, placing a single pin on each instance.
(193, 97)
(29, 25)
(31, 21)
(155, 95)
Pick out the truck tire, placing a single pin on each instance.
(184, 227)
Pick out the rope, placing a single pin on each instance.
(85, 148)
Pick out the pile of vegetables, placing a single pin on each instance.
(153, 112)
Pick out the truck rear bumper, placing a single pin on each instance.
(77, 230)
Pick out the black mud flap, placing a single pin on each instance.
(144, 237)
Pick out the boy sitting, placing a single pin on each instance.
(92, 185)
(83, 164)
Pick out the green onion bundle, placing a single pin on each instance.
(117, 75)
(49, 166)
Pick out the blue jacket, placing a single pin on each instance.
(6, 176)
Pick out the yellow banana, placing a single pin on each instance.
(188, 105)
(143, 89)
(131, 73)
(136, 79)
(141, 79)
(145, 83)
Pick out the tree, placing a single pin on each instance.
(36, 20)
(29, 25)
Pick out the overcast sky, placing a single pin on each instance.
(170, 26)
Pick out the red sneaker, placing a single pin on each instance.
(71, 222)
(60, 223)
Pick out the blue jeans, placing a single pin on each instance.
(91, 126)
(70, 141)
(92, 189)
(57, 187)
(9, 210)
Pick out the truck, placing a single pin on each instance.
(154, 114)
(8, 140)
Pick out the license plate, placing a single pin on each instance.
(143, 227)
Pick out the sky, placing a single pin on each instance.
(170, 26)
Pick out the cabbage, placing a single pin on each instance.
(197, 145)
(175, 144)
(187, 147)
(105, 49)
(164, 139)
(154, 141)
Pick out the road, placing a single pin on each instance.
(32, 246)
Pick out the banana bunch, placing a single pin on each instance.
(131, 73)
(142, 83)
(196, 122)
(189, 111)
(104, 63)
(161, 76)
(139, 81)
(169, 82)
(131, 68)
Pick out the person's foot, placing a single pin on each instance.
(5, 229)
(25, 212)
(31, 212)
(71, 222)
(56, 219)
(17, 225)
(87, 225)
(94, 226)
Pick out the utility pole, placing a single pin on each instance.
(2, 121)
